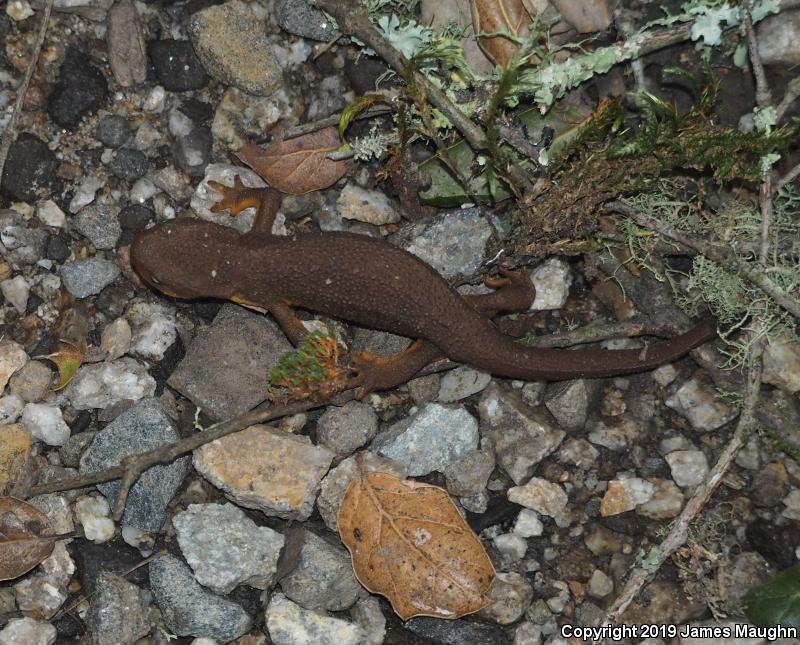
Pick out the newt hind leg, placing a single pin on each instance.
(236, 198)
(371, 373)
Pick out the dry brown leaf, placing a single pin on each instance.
(24, 540)
(409, 543)
(300, 165)
(500, 16)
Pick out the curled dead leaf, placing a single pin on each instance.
(25, 537)
(499, 17)
(409, 543)
(300, 165)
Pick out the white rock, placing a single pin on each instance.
(540, 495)
(782, 365)
(50, 214)
(11, 407)
(600, 585)
(85, 193)
(16, 290)
(697, 402)
(364, 205)
(152, 328)
(45, 423)
(142, 190)
(12, 358)
(95, 516)
(665, 374)
(155, 100)
(116, 339)
(792, 503)
(19, 10)
(528, 524)
(689, 467)
(290, 624)
(27, 631)
(552, 280)
(101, 385)
(511, 545)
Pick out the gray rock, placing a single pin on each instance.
(511, 595)
(226, 368)
(232, 43)
(225, 548)
(689, 467)
(143, 427)
(193, 151)
(779, 39)
(299, 18)
(697, 401)
(118, 611)
(570, 402)
(32, 382)
(290, 624)
(368, 615)
(468, 475)
(71, 451)
(452, 243)
(462, 382)
(99, 224)
(522, 436)
(88, 277)
(189, 609)
(429, 440)
(345, 429)
(19, 244)
(323, 578)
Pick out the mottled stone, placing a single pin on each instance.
(190, 610)
(226, 368)
(118, 611)
(689, 467)
(462, 382)
(429, 440)
(510, 595)
(521, 436)
(698, 403)
(540, 495)
(625, 494)
(569, 402)
(290, 624)
(12, 358)
(345, 429)
(469, 474)
(101, 385)
(143, 427)
(266, 469)
(323, 578)
(225, 548)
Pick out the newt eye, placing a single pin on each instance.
(154, 279)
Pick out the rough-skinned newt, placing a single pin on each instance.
(372, 283)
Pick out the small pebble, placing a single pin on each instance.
(177, 67)
(32, 382)
(528, 524)
(93, 512)
(113, 130)
(50, 214)
(84, 278)
(129, 164)
(45, 423)
(81, 90)
(16, 290)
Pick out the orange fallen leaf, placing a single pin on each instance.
(409, 543)
(300, 165)
(500, 17)
(24, 539)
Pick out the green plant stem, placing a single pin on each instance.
(719, 253)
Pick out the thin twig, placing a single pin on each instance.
(763, 93)
(11, 129)
(328, 121)
(719, 253)
(787, 178)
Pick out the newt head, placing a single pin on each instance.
(187, 258)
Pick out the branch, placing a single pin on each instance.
(22, 90)
(719, 253)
